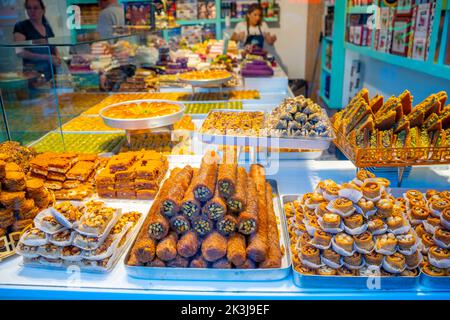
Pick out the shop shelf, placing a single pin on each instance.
(361, 10)
(436, 70)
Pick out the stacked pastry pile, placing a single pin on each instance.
(216, 216)
(298, 117)
(248, 123)
(132, 175)
(374, 123)
(69, 175)
(21, 198)
(91, 236)
(355, 228)
(430, 216)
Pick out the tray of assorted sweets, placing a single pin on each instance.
(206, 78)
(297, 123)
(87, 124)
(91, 235)
(376, 133)
(358, 234)
(216, 222)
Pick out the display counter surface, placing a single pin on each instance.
(294, 177)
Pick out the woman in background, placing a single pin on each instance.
(253, 31)
(36, 27)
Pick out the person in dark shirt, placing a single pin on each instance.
(36, 28)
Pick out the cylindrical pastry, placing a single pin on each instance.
(171, 202)
(202, 225)
(214, 247)
(180, 224)
(226, 179)
(354, 260)
(374, 258)
(427, 240)
(395, 222)
(354, 221)
(190, 207)
(446, 215)
(321, 238)
(311, 254)
(304, 270)
(371, 190)
(410, 273)
(326, 271)
(304, 239)
(274, 254)
(342, 205)
(248, 264)
(236, 203)
(438, 205)
(331, 220)
(433, 271)
(413, 260)
(386, 242)
(343, 271)
(258, 246)
(419, 213)
(406, 241)
(413, 194)
(215, 208)
(156, 263)
(166, 249)
(322, 210)
(236, 249)
(178, 262)
(205, 183)
(198, 262)
(221, 264)
(396, 261)
(142, 252)
(332, 256)
(248, 219)
(227, 225)
(188, 244)
(385, 207)
(344, 241)
(431, 193)
(364, 241)
(365, 205)
(443, 236)
(420, 230)
(375, 225)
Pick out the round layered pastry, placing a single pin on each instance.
(371, 190)
(350, 191)
(321, 238)
(410, 273)
(297, 204)
(344, 241)
(420, 230)
(433, 271)
(326, 271)
(438, 253)
(413, 194)
(323, 185)
(434, 222)
(385, 207)
(299, 216)
(386, 242)
(395, 222)
(446, 215)
(321, 209)
(438, 205)
(365, 205)
(313, 222)
(331, 220)
(354, 221)
(364, 241)
(375, 225)
(374, 258)
(301, 228)
(289, 210)
(430, 194)
(310, 214)
(413, 260)
(445, 194)
(301, 268)
(332, 256)
(427, 240)
(342, 205)
(355, 260)
(363, 175)
(397, 261)
(295, 259)
(345, 272)
(406, 241)
(306, 197)
(416, 202)
(314, 200)
(310, 254)
(383, 181)
(304, 239)
(443, 236)
(419, 213)
(331, 192)
(400, 201)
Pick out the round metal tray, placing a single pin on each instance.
(207, 83)
(143, 123)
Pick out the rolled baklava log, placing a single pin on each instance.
(227, 225)
(226, 179)
(274, 254)
(248, 219)
(205, 183)
(214, 247)
(190, 207)
(180, 224)
(221, 264)
(236, 203)
(166, 249)
(248, 264)
(178, 262)
(171, 203)
(158, 226)
(188, 245)
(236, 249)
(198, 262)
(156, 263)
(215, 208)
(202, 225)
(257, 246)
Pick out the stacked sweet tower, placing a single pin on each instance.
(356, 228)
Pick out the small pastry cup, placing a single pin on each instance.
(332, 228)
(395, 263)
(340, 250)
(326, 271)
(433, 271)
(439, 257)
(442, 238)
(342, 207)
(374, 259)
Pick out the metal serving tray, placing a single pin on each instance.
(143, 123)
(311, 143)
(347, 282)
(202, 274)
(434, 282)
